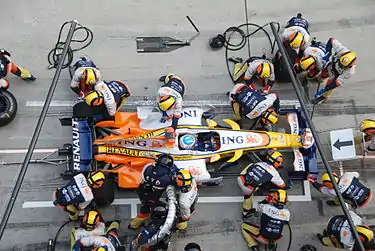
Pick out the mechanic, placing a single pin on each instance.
(206, 142)
(107, 242)
(103, 103)
(92, 225)
(187, 197)
(313, 60)
(339, 234)
(192, 246)
(170, 97)
(6, 66)
(155, 179)
(156, 235)
(340, 67)
(245, 101)
(352, 190)
(258, 174)
(85, 76)
(296, 34)
(77, 194)
(255, 69)
(272, 220)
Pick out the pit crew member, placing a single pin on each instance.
(339, 68)
(7, 66)
(103, 103)
(352, 190)
(85, 76)
(170, 97)
(254, 69)
(272, 220)
(296, 34)
(201, 142)
(107, 242)
(156, 235)
(338, 233)
(187, 197)
(367, 126)
(258, 174)
(77, 194)
(253, 104)
(155, 179)
(92, 225)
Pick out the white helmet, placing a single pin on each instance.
(188, 141)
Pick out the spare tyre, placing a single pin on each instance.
(8, 107)
(281, 71)
(105, 194)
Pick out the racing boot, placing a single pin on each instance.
(236, 60)
(181, 226)
(25, 75)
(138, 221)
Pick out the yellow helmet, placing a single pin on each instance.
(184, 180)
(307, 63)
(264, 70)
(89, 76)
(166, 102)
(96, 179)
(327, 180)
(367, 126)
(365, 233)
(278, 197)
(100, 249)
(94, 98)
(90, 219)
(348, 59)
(275, 159)
(270, 117)
(296, 40)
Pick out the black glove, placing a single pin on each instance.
(4, 52)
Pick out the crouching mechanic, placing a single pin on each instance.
(338, 233)
(367, 126)
(92, 225)
(156, 235)
(77, 194)
(339, 68)
(7, 66)
(253, 104)
(155, 179)
(187, 197)
(255, 69)
(103, 103)
(296, 34)
(256, 175)
(272, 220)
(352, 190)
(85, 76)
(170, 97)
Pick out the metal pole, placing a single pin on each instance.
(296, 84)
(247, 29)
(34, 139)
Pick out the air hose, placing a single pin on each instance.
(55, 53)
(52, 242)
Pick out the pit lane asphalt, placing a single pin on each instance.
(32, 30)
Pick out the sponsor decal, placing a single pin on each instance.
(293, 122)
(228, 140)
(189, 114)
(253, 138)
(299, 164)
(129, 152)
(76, 149)
(194, 170)
(281, 139)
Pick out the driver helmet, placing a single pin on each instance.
(275, 159)
(89, 76)
(347, 60)
(270, 117)
(192, 246)
(327, 182)
(94, 98)
(264, 70)
(365, 233)
(188, 141)
(165, 160)
(184, 180)
(166, 102)
(278, 197)
(307, 63)
(296, 40)
(96, 179)
(91, 219)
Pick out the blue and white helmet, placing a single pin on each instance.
(188, 141)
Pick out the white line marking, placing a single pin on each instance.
(40, 150)
(142, 102)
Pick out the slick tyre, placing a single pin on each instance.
(8, 107)
(281, 72)
(105, 195)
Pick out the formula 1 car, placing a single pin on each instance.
(124, 146)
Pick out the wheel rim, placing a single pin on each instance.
(3, 104)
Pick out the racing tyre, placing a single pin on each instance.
(105, 195)
(281, 72)
(8, 107)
